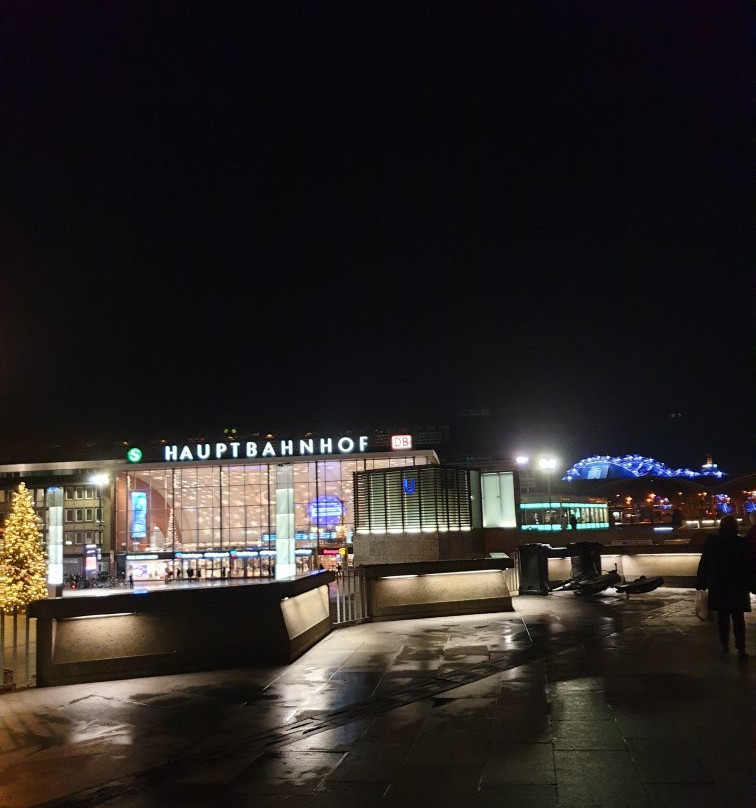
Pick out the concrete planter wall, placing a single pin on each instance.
(433, 589)
(156, 632)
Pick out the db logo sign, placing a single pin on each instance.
(401, 441)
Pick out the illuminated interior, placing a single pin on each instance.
(198, 509)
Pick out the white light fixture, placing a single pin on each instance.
(99, 479)
(522, 460)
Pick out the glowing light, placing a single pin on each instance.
(604, 466)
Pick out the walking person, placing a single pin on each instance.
(750, 540)
(724, 570)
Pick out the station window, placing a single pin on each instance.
(69, 514)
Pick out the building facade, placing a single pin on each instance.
(243, 516)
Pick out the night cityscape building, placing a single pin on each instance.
(226, 506)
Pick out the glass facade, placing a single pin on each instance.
(188, 512)
(563, 515)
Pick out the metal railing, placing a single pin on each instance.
(348, 598)
(18, 650)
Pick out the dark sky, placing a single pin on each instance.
(266, 214)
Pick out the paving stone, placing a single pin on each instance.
(566, 702)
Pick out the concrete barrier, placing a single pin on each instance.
(154, 632)
(434, 589)
(677, 565)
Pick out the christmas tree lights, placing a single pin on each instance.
(23, 567)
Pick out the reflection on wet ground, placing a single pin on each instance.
(566, 701)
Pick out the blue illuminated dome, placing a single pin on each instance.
(605, 467)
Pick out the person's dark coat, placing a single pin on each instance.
(724, 570)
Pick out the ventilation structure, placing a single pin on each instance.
(417, 499)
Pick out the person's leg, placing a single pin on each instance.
(738, 629)
(723, 622)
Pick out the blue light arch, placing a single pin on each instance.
(607, 467)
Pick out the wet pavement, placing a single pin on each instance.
(566, 702)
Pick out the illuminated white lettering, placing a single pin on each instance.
(286, 448)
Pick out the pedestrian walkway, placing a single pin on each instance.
(566, 702)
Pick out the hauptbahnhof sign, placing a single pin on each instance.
(248, 450)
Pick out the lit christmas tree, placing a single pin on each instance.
(23, 567)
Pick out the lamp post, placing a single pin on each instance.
(547, 465)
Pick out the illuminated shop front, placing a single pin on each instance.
(564, 514)
(259, 511)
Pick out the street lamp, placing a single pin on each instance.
(547, 465)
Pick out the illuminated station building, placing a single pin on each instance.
(273, 507)
(261, 508)
(268, 507)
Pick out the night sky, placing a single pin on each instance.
(323, 216)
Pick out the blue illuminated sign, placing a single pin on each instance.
(408, 486)
(326, 510)
(138, 515)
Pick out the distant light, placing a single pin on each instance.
(547, 463)
(99, 479)
(522, 460)
(598, 467)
